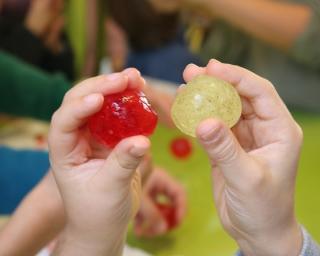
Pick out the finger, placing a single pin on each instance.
(177, 195)
(162, 183)
(260, 92)
(191, 71)
(125, 159)
(136, 81)
(224, 151)
(104, 84)
(146, 168)
(149, 221)
(180, 201)
(67, 121)
(180, 88)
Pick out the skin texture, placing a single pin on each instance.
(17, 238)
(254, 168)
(262, 19)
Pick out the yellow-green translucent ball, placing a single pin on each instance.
(202, 98)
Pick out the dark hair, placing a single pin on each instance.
(15, 9)
(144, 26)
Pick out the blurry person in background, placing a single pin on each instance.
(276, 39)
(140, 36)
(32, 30)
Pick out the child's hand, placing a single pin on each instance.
(149, 221)
(254, 166)
(101, 194)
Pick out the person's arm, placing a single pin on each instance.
(26, 91)
(309, 248)
(278, 23)
(38, 219)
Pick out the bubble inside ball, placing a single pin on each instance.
(202, 98)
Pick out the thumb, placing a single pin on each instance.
(123, 161)
(224, 150)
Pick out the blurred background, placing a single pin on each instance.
(46, 46)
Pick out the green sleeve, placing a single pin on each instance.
(26, 91)
(306, 49)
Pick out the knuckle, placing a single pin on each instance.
(268, 86)
(228, 151)
(299, 134)
(126, 162)
(295, 135)
(68, 95)
(55, 117)
(224, 147)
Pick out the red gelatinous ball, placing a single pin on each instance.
(123, 115)
(169, 214)
(181, 147)
(167, 210)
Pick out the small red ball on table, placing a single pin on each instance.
(181, 147)
(167, 210)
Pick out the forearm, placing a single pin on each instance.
(72, 245)
(309, 248)
(285, 242)
(35, 223)
(275, 22)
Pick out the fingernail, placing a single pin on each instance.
(114, 77)
(192, 65)
(131, 70)
(144, 82)
(208, 131)
(213, 61)
(138, 151)
(92, 98)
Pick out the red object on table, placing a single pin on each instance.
(40, 139)
(167, 210)
(123, 115)
(181, 147)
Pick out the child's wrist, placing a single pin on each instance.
(285, 242)
(73, 242)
